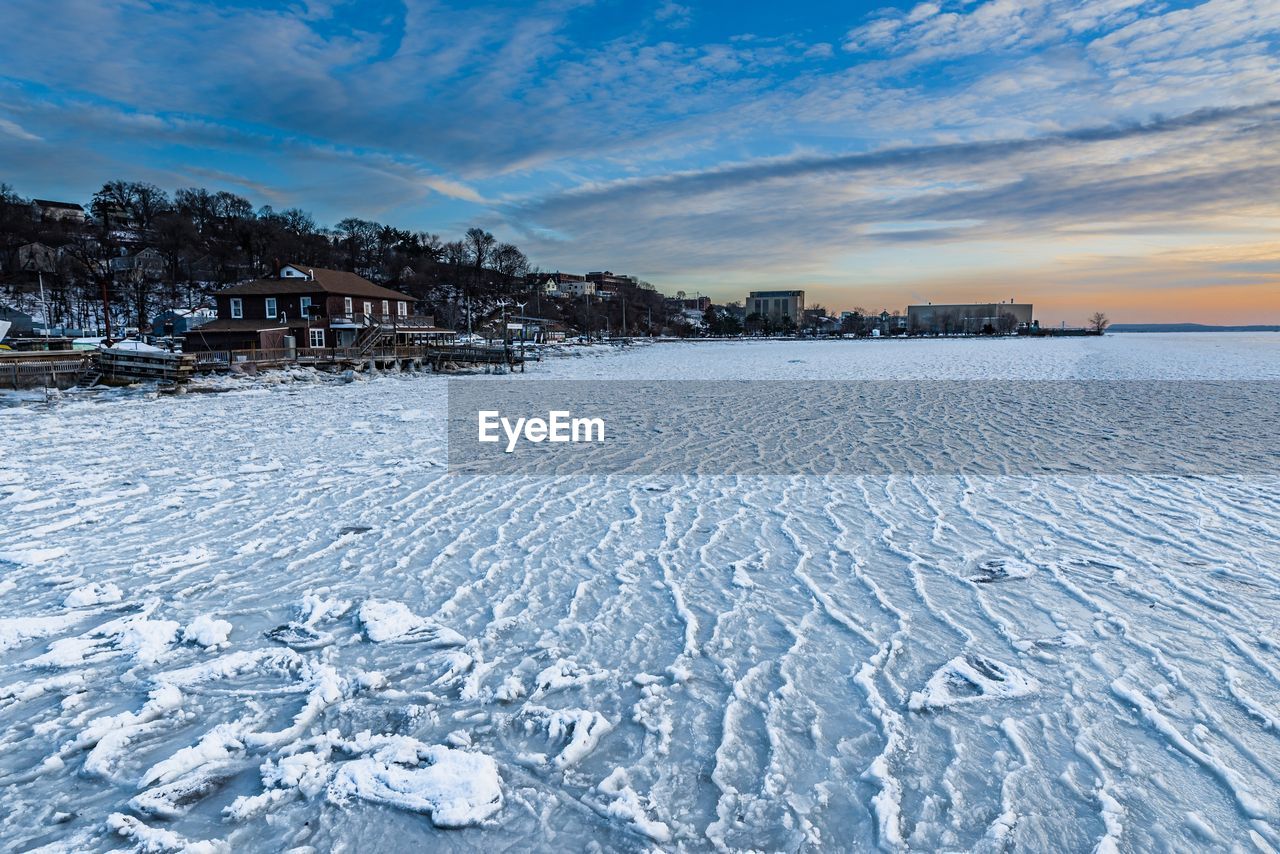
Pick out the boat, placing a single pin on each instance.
(5, 326)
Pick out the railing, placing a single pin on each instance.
(350, 319)
(222, 360)
(385, 321)
(17, 374)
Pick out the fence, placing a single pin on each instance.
(40, 373)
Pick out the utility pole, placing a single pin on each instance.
(523, 321)
(106, 308)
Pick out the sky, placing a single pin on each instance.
(1085, 155)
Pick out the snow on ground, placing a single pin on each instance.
(268, 618)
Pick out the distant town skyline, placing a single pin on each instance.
(1113, 155)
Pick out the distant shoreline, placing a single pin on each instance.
(1186, 327)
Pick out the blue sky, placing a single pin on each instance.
(1087, 154)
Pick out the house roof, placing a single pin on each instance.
(45, 203)
(337, 282)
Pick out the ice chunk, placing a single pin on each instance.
(316, 608)
(137, 635)
(626, 804)
(218, 746)
(385, 621)
(154, 840)
(969, 678)
(457, 788)
(147, 640)
(582, 728)
(110, 736)
(16, 630)
(207, 632)
(31, 554)
(563, 674)
(300, 636)
(93, 593)
(232, 665)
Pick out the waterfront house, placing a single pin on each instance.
(316, 308)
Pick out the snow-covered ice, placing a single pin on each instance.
(267, 618)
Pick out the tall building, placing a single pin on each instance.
(776, 305)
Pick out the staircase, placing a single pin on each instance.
(89, 374)
(369, 337)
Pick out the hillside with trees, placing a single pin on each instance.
(141, 250)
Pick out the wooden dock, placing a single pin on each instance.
(65, 369)
(128, 364)
(436, 357)
(21, 369)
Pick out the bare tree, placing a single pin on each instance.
(510, 261)
(1099, 322)
(480, 244)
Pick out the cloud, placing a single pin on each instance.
(624, 135)
(673, 14)
(1188, 172)
(15, 130)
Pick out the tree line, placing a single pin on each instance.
(142, 250)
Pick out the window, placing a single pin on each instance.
(237, 308)
(271, 308)
(305, 304)
(347, 308)
(317, 337)
(402, 309)
(386, 308)
(368, 308)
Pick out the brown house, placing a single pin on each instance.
(317, 308)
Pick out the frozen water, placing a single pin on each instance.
(267, 618)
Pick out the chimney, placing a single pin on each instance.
(276, 266)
